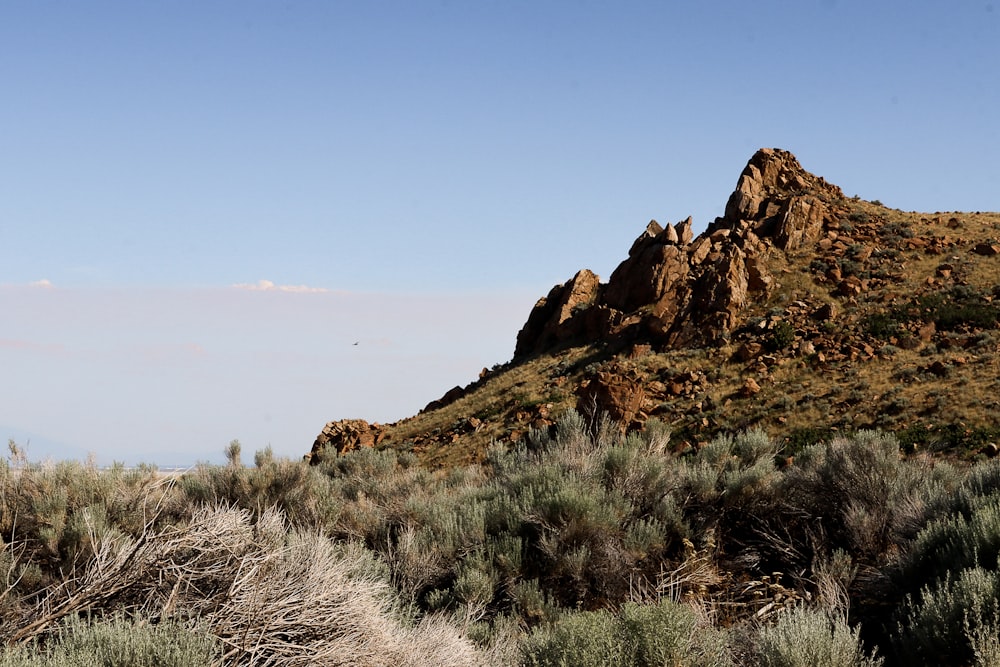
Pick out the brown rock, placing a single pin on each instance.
(344, 436)
(748, 351)
(654, 273)
(653, 229)
(684, 231)
(617, 395)
(771, 172)
(449, 397)
(926, 332)
(986, 249)
(673, 290)
(750, 388)
(699, 251)
(669, 235)
(758, 278)
(639, 350)
(826, 312)
(719, 235)
(560, 316)
(801, 222)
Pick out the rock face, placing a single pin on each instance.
(674, 290)
(344, 436)
(563, 314)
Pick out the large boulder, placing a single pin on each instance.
(613, 393)
(345, 435)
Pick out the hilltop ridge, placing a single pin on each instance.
(798, 310)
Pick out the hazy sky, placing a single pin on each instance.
(409, 176)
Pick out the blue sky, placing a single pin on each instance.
(420, 171)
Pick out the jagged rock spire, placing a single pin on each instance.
(674, 290)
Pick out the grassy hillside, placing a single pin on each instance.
(916, 352)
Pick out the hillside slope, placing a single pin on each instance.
(800, 311)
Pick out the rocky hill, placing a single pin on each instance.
(800, 311)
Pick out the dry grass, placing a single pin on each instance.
(271, 595)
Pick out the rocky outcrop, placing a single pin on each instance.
(343, 436)
(675, 290)
(562, 315)
(655, 264)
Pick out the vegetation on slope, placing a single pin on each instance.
(916, 352)
(582, 546)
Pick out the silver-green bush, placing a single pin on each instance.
(950, 621)
(806, 637)
(117, 642)
(640, 635)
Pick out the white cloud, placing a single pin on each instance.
(44, 283)
(269, 286)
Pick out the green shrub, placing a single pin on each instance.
(57, 512)
(582, 519)
(658, 634)
(118, 642)
(801, 438)
(884, 325)
(729, 473)
(582, 639)
(958, 307)
(640, 635)
(302, 492)
(808, 638)
(949, 621)
(953, 543)
(985, 641)
(892, 232)
(781, 336)
(852, 485)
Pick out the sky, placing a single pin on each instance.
(204, 205)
